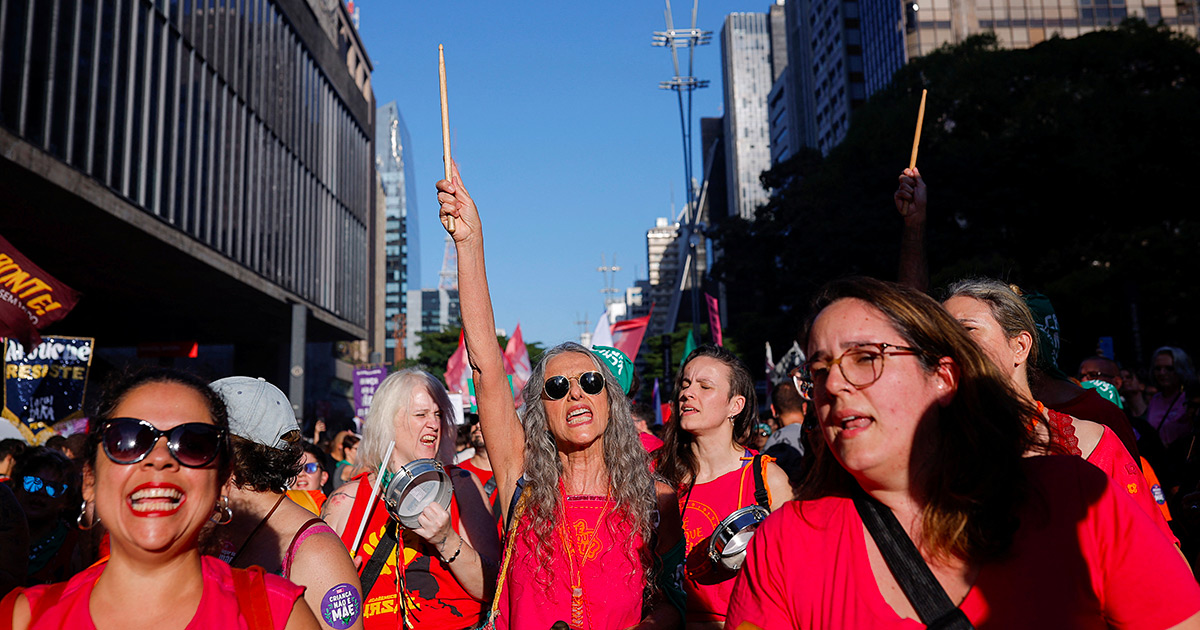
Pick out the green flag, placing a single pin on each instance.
(687, 349)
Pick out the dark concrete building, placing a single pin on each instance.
(202, 171)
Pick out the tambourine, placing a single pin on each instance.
(727, 547)
(416, 485)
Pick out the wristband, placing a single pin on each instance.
(456, 551)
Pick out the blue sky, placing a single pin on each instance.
(560, 130)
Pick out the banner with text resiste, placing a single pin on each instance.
(45, 385)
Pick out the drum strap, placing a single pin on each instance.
(379, 558)
(908, 567)
(762, 495)
(490, 486)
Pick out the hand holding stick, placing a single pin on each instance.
(447, 221)
(912, 162)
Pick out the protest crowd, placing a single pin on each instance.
(918, 461)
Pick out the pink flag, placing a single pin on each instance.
(518, 356)
(657, 404)
(458, 369)
(714, 318)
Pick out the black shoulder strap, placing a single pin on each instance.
(908, 567)
(512, 505)
(379, 558)
(490, 486)
(761, 496)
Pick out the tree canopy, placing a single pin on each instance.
(1063, 168)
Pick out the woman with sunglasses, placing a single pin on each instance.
(439, 574)
(1001, 323)
(156, 460)
(921, 429)
(587, 525)
(47, 487)
(707, 456)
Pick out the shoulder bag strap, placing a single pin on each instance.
(250, 587)
(762, 495)
(908, 567)
(516, 498)
(379, 558)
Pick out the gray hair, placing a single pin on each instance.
(1006, 306)
(392, 399)
(625, 459)
(1182, 363)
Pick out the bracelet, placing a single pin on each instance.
(456, 551)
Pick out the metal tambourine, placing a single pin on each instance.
(416, 485)
(727, 547)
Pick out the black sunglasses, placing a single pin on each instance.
(129, 440)
(591, 383)
(49, 488)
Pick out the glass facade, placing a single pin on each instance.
(746, 62)
(394, 162)
(211, 115)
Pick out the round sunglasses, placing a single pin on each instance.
(591, 383)
(130, 440)
(311, 468)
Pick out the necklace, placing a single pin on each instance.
(578, 604)
(255, 530)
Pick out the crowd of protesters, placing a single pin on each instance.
(916, 461)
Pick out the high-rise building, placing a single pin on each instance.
(842, 51)
(394, 161)
(200, 171)
(746, 68)
(665, 258)
(430, 310)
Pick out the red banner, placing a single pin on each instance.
(458, 370)
(30, 298)
(714, 318)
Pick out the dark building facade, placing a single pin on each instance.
(200, 169)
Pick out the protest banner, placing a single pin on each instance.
(366, 381)
(45, 385)
(30, 299)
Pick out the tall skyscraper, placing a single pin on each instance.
(746, 68)
(394, 162)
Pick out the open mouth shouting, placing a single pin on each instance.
(579, 415)
(156, 499)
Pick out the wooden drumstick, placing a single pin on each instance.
(362, 527)
(912, 162)
(448, 220)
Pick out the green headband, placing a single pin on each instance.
(618, 363)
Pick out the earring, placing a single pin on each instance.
(79, 521)
(224, 513)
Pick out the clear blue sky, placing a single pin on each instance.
(560, 130)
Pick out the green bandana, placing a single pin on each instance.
(1046, 321)
(618, 363)
(1106, 390)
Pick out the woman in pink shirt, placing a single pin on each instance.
(154, 495)
(590, 529)
(918, 422)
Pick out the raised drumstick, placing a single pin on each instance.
(448, 220)
(912, 162)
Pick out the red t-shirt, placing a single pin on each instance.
(484, 477)
(218, 603)
(1092, 560)
(1111, 457)
(702, 509)
(1092, 406)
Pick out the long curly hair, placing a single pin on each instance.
(392, 399)
(675, 460)
(625, 459)
(973, 480)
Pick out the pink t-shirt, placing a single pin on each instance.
(611, 574)
(218, 603)
(1111, 457)
(1092, 560)
(702, 509)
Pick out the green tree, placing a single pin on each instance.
(1064, 167)
(437, 347)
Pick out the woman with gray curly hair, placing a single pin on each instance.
(436, 575)
(589, 526)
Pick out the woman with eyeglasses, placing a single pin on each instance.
(923, 431)
(156, 460)
(996, 317)
(707, 455)
(593, 540)
(47, 487)
(1173, 375)
(439, 574)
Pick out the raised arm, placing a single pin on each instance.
(501, 429)
(910, 201)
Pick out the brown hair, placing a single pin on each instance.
(675, 460)
(973, 481)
